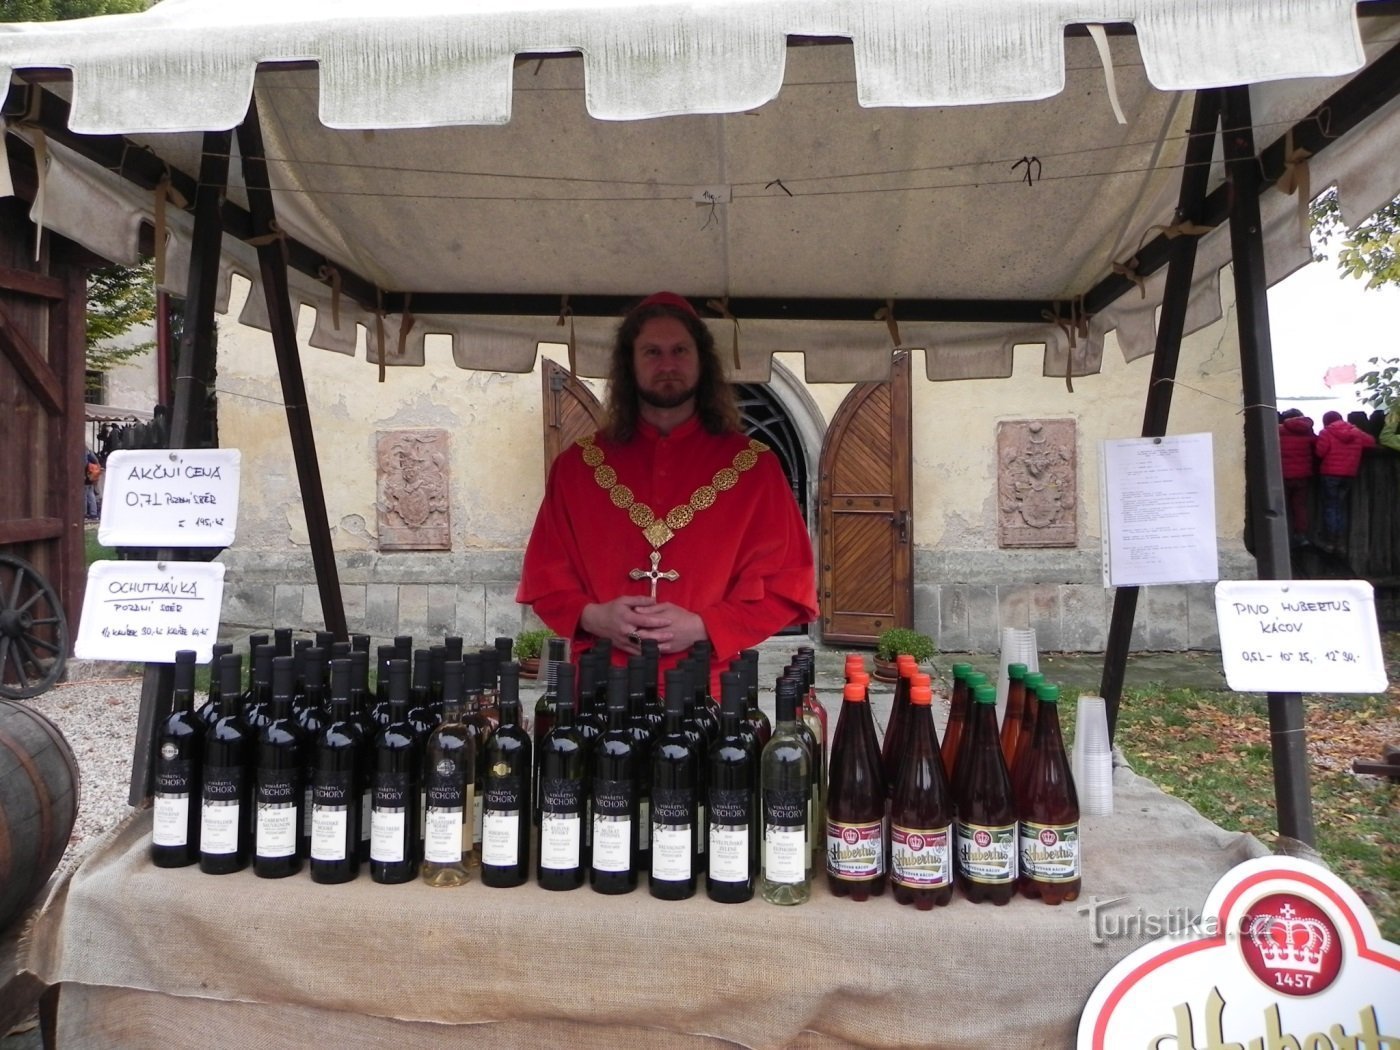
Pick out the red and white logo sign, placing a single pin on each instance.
(1293, 958)
(850, 836)
(982, 838)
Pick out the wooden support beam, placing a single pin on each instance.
(32, 368)
(29, 530)
(40, 284)
(272, 265)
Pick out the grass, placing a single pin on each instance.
(94, 551)
(1211, 749)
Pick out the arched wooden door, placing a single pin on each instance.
(866, 570)
(570, 410)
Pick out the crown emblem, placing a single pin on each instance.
(1287, 941)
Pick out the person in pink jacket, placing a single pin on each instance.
(1296, 443)
(1339, 449)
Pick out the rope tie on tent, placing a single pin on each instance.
(1032, 165)
(165, 194)
(721, 307)
(1294, 179)
(379, 328)
(406, 323)
(331, 275)
(886, 314)
(1074, 327)
(1100, 38)
(274, 235)
(7, 188)
(1129, 268)
(565, 310)
(41, 168)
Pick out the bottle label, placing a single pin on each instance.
(987, 853)
(855, 852)
(388, 819)
(442, 838)
(502, 794)
(1050, 852)
(220, 809)
(277, 825)
(920, 857)
(308, 779)
(500, 837)
(729, 852)
(366, 807)
(612, 825)
(700, 829)
(172, 776)
(672, 834)
(170, 825)
(329, 826)
(445, 789)
(644, 831)
(560, 839)
(785, 836)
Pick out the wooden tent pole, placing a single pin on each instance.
(193, 371)
(1181, 263)
(272, 264)
(1263, 473)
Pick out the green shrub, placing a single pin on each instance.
(529, 644)
(904, 640)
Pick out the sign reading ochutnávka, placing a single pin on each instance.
(1037, 483)
(412, 490)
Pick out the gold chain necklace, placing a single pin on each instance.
(660, 530)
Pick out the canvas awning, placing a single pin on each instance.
(802, 167)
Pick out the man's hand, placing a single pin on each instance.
(629, 618)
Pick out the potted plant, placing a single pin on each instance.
(899, 640)
(528, 646)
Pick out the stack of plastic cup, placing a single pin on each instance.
(1017, 647)
(1091, 758)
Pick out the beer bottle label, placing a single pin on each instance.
(1050, 852)
(987, 854)
(855, 852)
(920, 858)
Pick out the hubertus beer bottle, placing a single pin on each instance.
(954, 770)
(393, 854)
(892, 747)
(449, 776)
(985, 836)
(1034, 681)
(563, 792)
(505, 802)
(855, 803)
(786, 770)
(614, 810)
(335, 787)
(921, 813)
(675, 762)
(280, 766)
(958, 704)
(175, 820)
(1048, 808)
(732, 803)
(1014, 714)
(225, 832)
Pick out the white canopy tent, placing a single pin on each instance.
(833, 178)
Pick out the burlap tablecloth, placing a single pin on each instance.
(151, 956)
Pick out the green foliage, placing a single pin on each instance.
(1382, 383)
(1370, 251)
(61, 10)
(529, 644)
(904, 640)
(119, 299)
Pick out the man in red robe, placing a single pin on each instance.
(669, 523)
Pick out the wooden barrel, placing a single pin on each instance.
(38, 804)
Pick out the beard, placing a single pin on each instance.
(662, 399)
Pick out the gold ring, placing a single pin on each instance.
(634, 638)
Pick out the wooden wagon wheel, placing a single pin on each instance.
(33, 631)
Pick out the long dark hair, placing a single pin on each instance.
(714, 397)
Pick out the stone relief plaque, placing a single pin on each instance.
(1037, 483)
(412, 490)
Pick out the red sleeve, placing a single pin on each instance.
(549, 579)
(774, 585)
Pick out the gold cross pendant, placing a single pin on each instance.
(655, 573)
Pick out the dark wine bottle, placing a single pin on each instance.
(449, 774)
(639, 698)
(359, 713)
(986, 840)
(225, 832)
(786, 798)
(563, 791)
(452, 647)
(613, 791)
(479, 730)
(403, 647)
(644, 734)
(175, 820)
(420, 695)
(855, 803)
(504, 647)
(921, 813)
(693, 724)
(732, 803)
(437, 660)
(335, 786)
(312, 717)
(592, 720)
(490, 686)
(209, 710)
(552, 663)
(674, 795)
(505, 803)
(257, 701)
(1048, 807)
(753, 714)
(393, 854)
(359, 643)
(299, 649)
(379, 711)
(705, 708)
(277, 840)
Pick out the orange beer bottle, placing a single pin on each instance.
(921, 813)
(986, 811)
(1049, 811)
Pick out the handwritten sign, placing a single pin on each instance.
(170, 498)
(146, 610)
(1300, 636)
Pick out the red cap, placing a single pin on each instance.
(668, 299)
(855, 692)
(920, 695)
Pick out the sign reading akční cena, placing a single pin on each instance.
(1293, 960)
